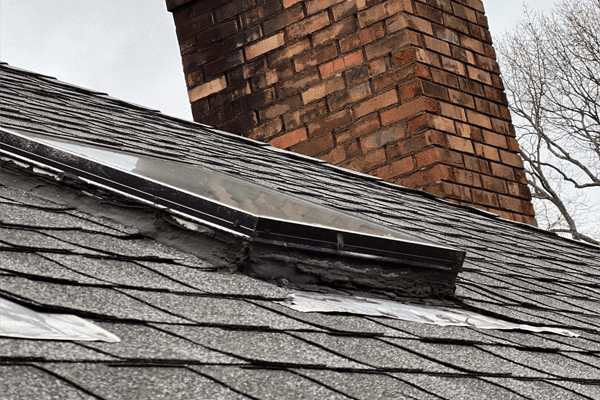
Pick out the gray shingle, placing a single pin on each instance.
(136, 382)
(22, 382)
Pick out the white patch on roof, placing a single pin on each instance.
(317, 302)
(20, 322)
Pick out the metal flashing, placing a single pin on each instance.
(257, 213)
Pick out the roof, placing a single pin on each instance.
(189, 329)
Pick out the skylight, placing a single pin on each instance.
(252, 211)
(21, 322)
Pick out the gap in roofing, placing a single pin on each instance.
(279, 229)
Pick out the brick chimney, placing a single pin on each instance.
(407, 90)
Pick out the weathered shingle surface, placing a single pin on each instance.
(189, 331)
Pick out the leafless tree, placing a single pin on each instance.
(551, 69)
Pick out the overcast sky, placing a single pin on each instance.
(128, 48)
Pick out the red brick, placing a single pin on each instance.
(479, 119)
(341, 64)
(308, 25)
(311, 112)
(494, 184)
(437, 45)
(461, 98)
(408, 110)
(467, 178)
(264, 46)
(484, 198)
(479, 75)
(289, 3)
(403, 21)
(494, 139)
(289, 139)
(296, 83)
(487, 152)
(323, 89)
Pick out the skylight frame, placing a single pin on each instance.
(244, 224)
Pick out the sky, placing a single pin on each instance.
(128, 48)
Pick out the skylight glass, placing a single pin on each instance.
(21, 322)
(254, 211)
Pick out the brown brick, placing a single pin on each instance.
(395, 168)
(281, 107)
(376, 103)
(206, 89)
(359, 128)
(223, 64)
(315, 57)
(390, 43)
(367, 162)
(472, 44)
(289, 139)
(403, 21)
(308, 25)
(323, 89)
(289, 51)
(341, 64)
(408, 110)
(361, 38)
(333, 32)
(348, 97)
(487, 152)
(381, 138)
(393, 78)
(192, 27)
(383, 11)
(460, 98)
(347, 8)
(335, 156)
(494, 184)
(233, 8)
(467, 178)
(436, 45)
(494, 139)
(419, 179)
(479, 119)
(436, 155)
(314, 6)
(315, 146)
(510, 203)
(311, 112)
(484, 198)
(451, 111)
(267, 130)
(297, 83)
(477, 164)
(512, 159)
(503, 171)
(264, 46)
(330, 123)
(260, 13)
(460, 144)
(415, 144)
(284, 19)
(479, 75)
(289, 3)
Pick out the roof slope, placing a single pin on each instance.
(189, 331)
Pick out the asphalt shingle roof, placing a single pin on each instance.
(190, 331)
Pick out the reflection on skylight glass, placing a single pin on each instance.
(226, 189)
(20, 322)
